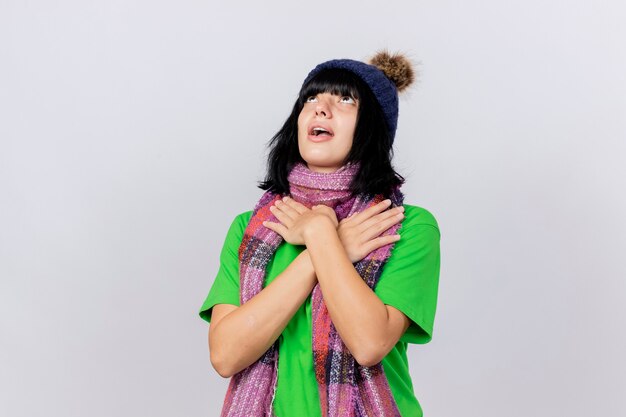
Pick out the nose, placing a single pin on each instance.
(322, 109)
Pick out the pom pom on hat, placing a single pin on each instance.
(396, 67)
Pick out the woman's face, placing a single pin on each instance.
(326, 127)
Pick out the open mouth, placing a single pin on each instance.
(321, 132)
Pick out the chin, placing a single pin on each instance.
(323, 166)
(320, 157)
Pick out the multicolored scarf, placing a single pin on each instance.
(346, 388)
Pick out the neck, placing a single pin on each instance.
(323, 170)
(329, 188)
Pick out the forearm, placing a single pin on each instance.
(242, 336)
(358, 314)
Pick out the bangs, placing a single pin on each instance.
(334, 81)
(371, 144)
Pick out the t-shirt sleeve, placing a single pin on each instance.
(225, 288)
(410, 278)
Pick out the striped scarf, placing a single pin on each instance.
(346, 389)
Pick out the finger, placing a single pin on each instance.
(286, 207)
(376, 219)
(277, 227)
(346, 219)
(382, 224)
(371, 211)
(379, 242)
(280, 214)
(328, 212)
(324, 208)
(299, 207)
(379, 230)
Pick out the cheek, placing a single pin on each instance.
(301, 125)
(352, 126)
(354, 120)
(352, 131)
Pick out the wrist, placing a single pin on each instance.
(318, 227)
(307, 263)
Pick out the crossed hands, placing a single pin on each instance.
(359, 233)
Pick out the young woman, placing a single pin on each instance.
(322, 285)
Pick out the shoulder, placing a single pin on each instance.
(243, 218)
(238, 226)
(416, 217)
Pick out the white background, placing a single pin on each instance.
(132, 132)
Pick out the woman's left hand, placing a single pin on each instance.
(295, 219)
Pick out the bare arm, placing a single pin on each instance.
(368, 327)
(238, 336)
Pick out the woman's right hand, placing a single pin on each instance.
(360, 233)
